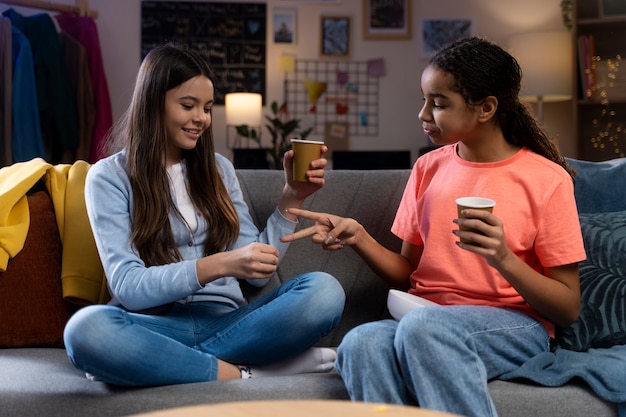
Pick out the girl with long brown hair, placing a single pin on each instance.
(175, 237)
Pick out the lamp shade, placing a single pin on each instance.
(243, 109)
(547, 65)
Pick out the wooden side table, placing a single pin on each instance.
(296, 408)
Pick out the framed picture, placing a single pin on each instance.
(439, 32)
(390, 19)
(284, 28)
(335, 36)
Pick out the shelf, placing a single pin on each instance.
(617, 21)
(601, 125)
(598, 103)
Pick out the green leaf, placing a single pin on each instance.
(242, 130)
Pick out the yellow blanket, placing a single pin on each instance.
(82, 275)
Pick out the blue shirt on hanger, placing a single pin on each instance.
(27, 140)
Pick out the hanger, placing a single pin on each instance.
(81, 9)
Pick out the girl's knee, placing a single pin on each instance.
(326, 292)
(426, 326)
(368, 339)
(351, 347)
(326, 282)
(87, 324)
(352, 341)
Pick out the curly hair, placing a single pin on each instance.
(480, 69)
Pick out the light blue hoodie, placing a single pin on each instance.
(136, 287)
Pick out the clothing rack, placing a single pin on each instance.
(81, 8)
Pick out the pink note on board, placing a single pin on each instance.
(376, 67)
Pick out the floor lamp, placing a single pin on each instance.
(547, 63)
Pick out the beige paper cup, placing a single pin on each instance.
(304, 151)
(475, 203)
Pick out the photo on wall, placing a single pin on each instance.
(386, 20)
(440, 32)
(335, 36)
(285, 26)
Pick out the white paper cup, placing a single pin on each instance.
(475, 203)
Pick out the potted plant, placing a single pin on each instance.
(282, 128)
(567, 7)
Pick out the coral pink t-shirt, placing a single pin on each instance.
(535, 201)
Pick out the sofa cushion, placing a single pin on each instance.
(598, 186)
(32, 308)
(602, 319)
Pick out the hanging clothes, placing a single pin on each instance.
(57, 103)
(80, 78)
(6, 77)
(26, 140)
(84, 30)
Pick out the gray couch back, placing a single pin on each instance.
(370, 197)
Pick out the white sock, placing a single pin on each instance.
(91, 377)
(312, 360)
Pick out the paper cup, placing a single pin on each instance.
(475, 203)
(304, 151)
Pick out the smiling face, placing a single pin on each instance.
(446, 117)
(187, 115)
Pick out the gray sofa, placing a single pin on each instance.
(41, 381)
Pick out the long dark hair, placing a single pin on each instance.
(480, 69)
(142, 133)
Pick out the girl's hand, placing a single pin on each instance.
(555, 293)
(487, 236)
(330, 231)
(315, 174)
(253, 261)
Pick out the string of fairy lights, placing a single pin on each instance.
(610, 133)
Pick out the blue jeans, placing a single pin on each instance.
(438, 357)
(183, 343)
